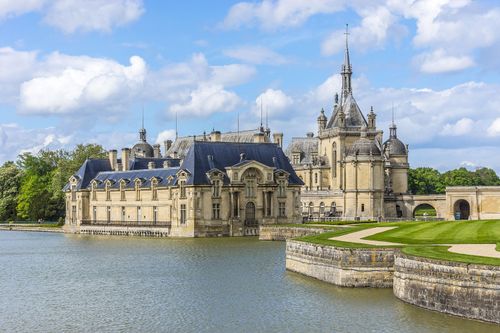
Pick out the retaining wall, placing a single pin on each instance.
(125, 231)
(281, 233)
(342, 266)
(466, 290)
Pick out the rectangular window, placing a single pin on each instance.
(216, 188)
(137, 191)
(183, 214)
(216, 211)
(155, 214)
(94, 195)
(73, 192)
(236, 209)
(250, 188)
(123, 215)
(108, 193)
(281, 209)
(281, 188)
(268, 203)
(139, 215)
(182, 185)
(94, 213)
(155, 193)
(122, 192)
(73, 214)
(362, 207)
(108, 214)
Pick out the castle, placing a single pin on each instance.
(229, 184)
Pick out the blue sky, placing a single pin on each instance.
(76, 72)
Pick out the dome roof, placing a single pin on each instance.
(394, 146)
(364, 146)
(143, 149)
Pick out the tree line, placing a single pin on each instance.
(31, 187)
(431, 181)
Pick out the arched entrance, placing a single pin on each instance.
(461, 210)
(424, 210)
(250, 214)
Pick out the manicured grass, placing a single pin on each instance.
(341, 222)
(425, 210)
(419, 235)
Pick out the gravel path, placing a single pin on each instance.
(483, 250)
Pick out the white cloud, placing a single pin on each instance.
(439, 62)
(461, 127)
(494, 128)
(16, 66)
(73, 15)
(256, 55)
(207, 99)
(165, 135)
(273, 14)
(273, 102)
(65, 84)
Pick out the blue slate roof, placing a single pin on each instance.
(225, 154)
(163, 176)
(202, 157)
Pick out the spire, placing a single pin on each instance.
(142, 131)
(261, 127)
(346, 68)
(393, 128)
(176, 133)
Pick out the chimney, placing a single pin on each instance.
(278, 139)
(215, 136)
(113, 159)
(125, 158)
(151, 165)
(156, 151)
(259, 138)
(167, 144)
(166, 164)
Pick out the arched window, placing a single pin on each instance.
(311, 209)
(322, 209)
(333, 208)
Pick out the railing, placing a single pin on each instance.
(127, 223)
(307, 219)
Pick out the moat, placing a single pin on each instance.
(70, 283)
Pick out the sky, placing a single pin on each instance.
(82, 71)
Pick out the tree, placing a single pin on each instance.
(487, 177)
(460, 177)
(10, 181)
(425, 181)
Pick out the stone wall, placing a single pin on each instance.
(341, 266)
(467, 290)
(281, 233)
(125, 231)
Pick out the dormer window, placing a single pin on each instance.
(108, 192)
(122, 191)
(296, 158)
(216, 189)
(137, 190)
(73, 192)
(281, 188)
(93, 190)
(182, 188)
(154, 189)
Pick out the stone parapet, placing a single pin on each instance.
(348, 267)
(126, 231)
(466, 290)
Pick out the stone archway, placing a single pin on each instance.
(461, 210)
(424, 210)
(250, 214)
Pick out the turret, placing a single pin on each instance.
(372, 119)
(322, 121)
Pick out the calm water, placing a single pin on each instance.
(61, 283)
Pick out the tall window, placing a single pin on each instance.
(216, 211)
(282, 188)
(122, 190)
(123, 214)
(315, 178)
(250, 188)
(322, 209)
(362, 207)
(73, 192)
(183, 214)
(73, 214)
(268, 197)
(94, 193)
(281, 209)
(154, 189)
(108, 214)
(138, 190)
(216, 188)
(108, 193)
(139, 215)
(296, 158)
(155, 214)
(236, 204)
(182, 187)
(94, 213)
(333, 208)
(334, 160)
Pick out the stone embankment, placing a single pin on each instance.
(349, 267)
(281, 233)
(125, 231)
(11, 227)
(466, 290)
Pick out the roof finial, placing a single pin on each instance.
(392, 129)
(176, 132)
(143, 115)
(261, 98)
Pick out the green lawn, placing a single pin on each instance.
(420, 235)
